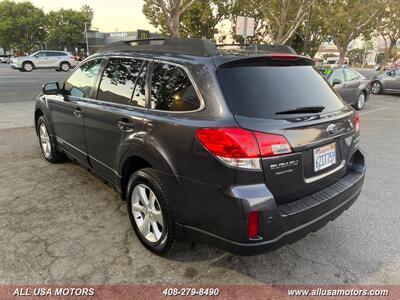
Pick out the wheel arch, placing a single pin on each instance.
(65, 62)
(28, 61)
(133, 162)
(130, 165)
(38, 114)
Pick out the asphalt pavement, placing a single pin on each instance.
(16, 86)
(61, 225)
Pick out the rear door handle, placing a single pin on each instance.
(125, 125)
(78, 112)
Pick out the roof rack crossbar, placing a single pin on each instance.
(192, 46)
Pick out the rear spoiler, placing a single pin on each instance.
(273, 59)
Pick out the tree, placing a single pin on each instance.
(356, 56)
(88, 13)
(283, 17)
(21, 25)
(248, 8)
(202, 17)
(275, 20)
(166, 14)
(65, 28)
(350, 19)
(318, 29)
(389, 27)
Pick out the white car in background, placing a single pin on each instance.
(59, 60)
(5, 59)
(333, 62)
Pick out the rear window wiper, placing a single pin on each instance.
(302, 110)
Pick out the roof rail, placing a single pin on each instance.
(190, 46)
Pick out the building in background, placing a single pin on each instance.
(97, 39)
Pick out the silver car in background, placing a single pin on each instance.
(59, 60)
(387, 82)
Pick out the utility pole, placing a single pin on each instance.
(308, 29)
(87, 41)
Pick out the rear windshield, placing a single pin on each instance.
(262, 91)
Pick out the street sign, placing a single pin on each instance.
(245, 27)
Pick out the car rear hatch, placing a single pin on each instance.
(284, 95)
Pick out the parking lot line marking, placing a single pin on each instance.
(371, 111)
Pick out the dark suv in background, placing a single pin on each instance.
(244, 151)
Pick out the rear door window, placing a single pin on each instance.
(262, 91)
(172, 90)
(350, 75)
(118, 80)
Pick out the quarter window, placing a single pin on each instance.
(338, 75)
(172, 90)
(118, 80)
(80, 83)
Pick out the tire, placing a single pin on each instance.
(27, 66)
(159, 233)
(47, 143)
(360, 103)
(65, 67)
(376, 87)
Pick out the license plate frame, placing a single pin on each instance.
(324, 157)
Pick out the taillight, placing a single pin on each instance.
(357, 122)
(272, 144)
(252, 225)
(242, 148)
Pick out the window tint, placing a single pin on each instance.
(80, 83)
(350, 75)
(172, 90)
(119, 79)
(40, 54)
(53, 54)
(338, 75)
(262, 91)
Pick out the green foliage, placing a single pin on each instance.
(65, 28)
(275, 20)
(318, 30)
(24, 27)
(202, 17)
(356, 56)
(21, 25)
(350, 19)
(88, 13)
(198, 20)
(389, 27)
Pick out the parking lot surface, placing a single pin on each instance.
(61, 225)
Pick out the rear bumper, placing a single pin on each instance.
(286, 224)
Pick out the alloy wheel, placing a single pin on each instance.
(361, 101)
(147, 213)
(376, 88)
(45, 140)
(65, 67)
(28, 67)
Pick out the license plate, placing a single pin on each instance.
(324, 157)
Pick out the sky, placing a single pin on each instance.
(109, 15)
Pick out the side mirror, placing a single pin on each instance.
(51, 88)
(336, 81)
